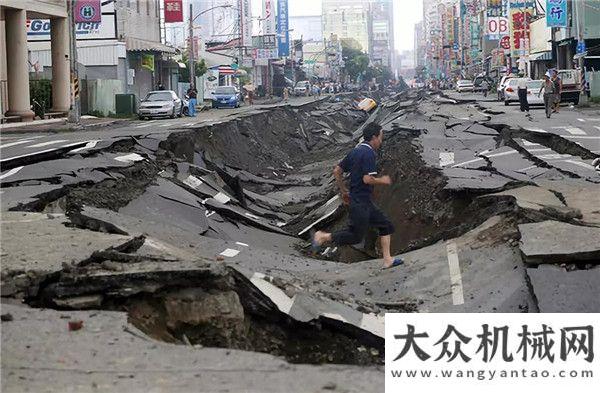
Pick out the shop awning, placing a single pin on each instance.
(140, 45)
(541, 56)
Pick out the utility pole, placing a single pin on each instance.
(75, 112)
(191, 46)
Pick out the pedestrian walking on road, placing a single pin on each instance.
(549, 89)
(485, 86)
(361, 163)
(193, 94)
(522, 92)
(557, 90)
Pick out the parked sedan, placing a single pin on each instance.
(160, 103)
(226, 97)
(502, 85)
(464, 85)
(302, 88)
(511, 91)
(533, 88)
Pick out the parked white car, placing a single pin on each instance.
(511, 91)
(160, 103)
(464, 85)
(533, 88)
(502, 85)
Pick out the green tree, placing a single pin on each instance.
(184, 73)
(356, 61)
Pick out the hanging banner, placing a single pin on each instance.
(148, 61)
(283, 34)
(246, 22)
(521, 13)
(173, 11)
(87, 11)
(556, 13)
(268, 17)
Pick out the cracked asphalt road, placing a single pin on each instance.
(187, 242)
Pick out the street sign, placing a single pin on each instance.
(580, 46)
(88, 11)
(234, 66)
(505, 42)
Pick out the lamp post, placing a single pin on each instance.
(191, 33)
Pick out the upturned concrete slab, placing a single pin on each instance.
(553, 241)
(531, 197)
(39, 241)
(578, 194)
(557, 290)
(39, 353)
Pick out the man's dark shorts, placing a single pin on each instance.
(363, 215)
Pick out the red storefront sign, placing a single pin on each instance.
(173, 11)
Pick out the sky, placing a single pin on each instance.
(406, 14)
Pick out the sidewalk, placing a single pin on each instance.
(58, 125)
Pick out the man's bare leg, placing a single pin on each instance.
(322, 237)
(385, 249)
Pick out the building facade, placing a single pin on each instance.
(381, 33)
(347, 20)
(14, 55)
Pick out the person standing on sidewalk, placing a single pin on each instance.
(522, 91)
(361, 163)
(193, 95)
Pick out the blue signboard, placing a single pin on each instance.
(580, 46)
(556, 13)
(283, 33)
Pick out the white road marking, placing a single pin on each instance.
(148, 124)
(222, 198)
(536, 130)
(11, 172)
(455, 275)
(230, 252)
(241, 244)
(42, 144)
(130, 158)
(526, 169)
(252, 216)
(597, 127)
(571, 130)
(581, 120)
(166, 125)
(89, 145)
(193, 181)
(554, 156)
(581, 164)
(581, 137)
(16, 143)
(527, 143)
(467, 162)
(446, 159)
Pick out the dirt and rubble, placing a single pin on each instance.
(199, 236)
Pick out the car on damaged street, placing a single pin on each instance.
(464, 85)
(226, 97)
(160, 103)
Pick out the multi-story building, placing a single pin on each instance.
(347, 20)
(307, 28)
(381, 33)
(419, 45)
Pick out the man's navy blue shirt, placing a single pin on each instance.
(359, 162)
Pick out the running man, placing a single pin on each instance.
(361, 162)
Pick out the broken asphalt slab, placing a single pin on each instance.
(557, 242)
(557, 290)
(108, 354)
